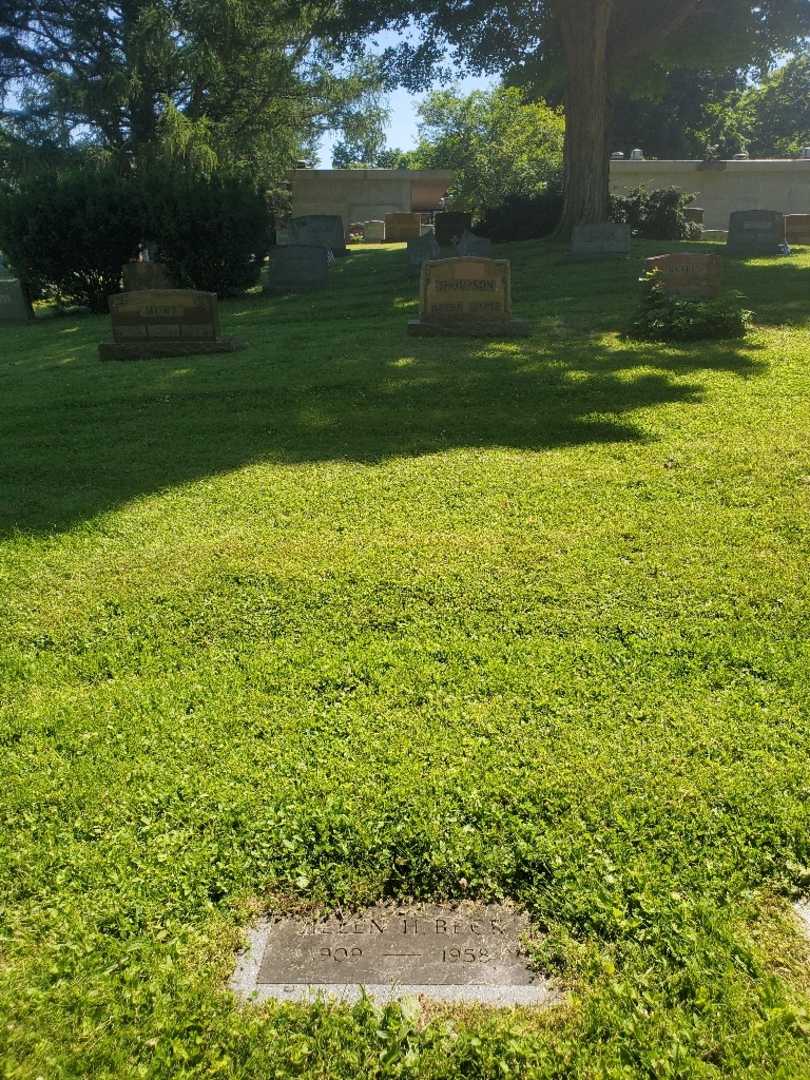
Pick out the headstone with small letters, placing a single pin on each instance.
(689, 275)
(757, 232)
(323, 230)
(164, 322)
(604, 241)
(296, 268)
(468, 952)
(467, 297)
(374, 231)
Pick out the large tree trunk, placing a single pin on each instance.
(584, 27)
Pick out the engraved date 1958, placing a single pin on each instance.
(465, 956)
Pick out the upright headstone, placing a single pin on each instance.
(323, 230)
(14, 304)
(470, 244)
(400, 228)
(467, 297)
(688, 275)
(421, 250)
(374, 231)
(164, 322)
(296, 268)
(604, 241)
(147, 275)
(757, 232)
(797, 228)
(694, 214)
(451, 226)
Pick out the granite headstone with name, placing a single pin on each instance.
(470, 244)
(467, 297)
(322, 230)
(688, 275)
(14, 304)
(464, 953)
(400, 228)
(604, 241)
(296, 268)
(450, 226)
(797, 228)
(165, 322)
(757, 232)
(421, 250)
(374, 231)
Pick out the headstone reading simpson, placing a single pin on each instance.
(688, 275)
(14, 305)
(296, 268)
(467, 297)
(468, 953)
(400, 228)
(607, 240)
(164, 322)
(324, 230)
(757, 232)
(420, 250)
(147, 275)
(374, 231)
(470, 244)
(797, 228)
(450, 226)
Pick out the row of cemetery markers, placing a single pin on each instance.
(463, 290)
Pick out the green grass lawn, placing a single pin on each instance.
(352, 615)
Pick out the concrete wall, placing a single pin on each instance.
(366, 194)
(723, 186)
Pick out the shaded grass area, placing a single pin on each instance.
(352, 615)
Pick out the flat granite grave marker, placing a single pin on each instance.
(296, 268)
(421, 250)
(400, 228)
(165, 322)
(688, 275)
(322, 230)
(467, 297)
(450, 226)
(14, 305)
(797, 228)
(470, 244)
(604, 241)
(468, 952)
(757, 232)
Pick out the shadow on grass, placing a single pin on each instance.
(327, 377)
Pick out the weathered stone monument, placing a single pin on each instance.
(688, 275)
(470, 244)
(467, 297)
(464, 953)
(757, 232)
(165, 322)
(296, 268)
(450, 226)
(147, 275)
(421, 250)
(14, 304)
(374, 231)
(694, 215)
(604, 241)
(797, 228)
(322, 230)
(400, 228)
